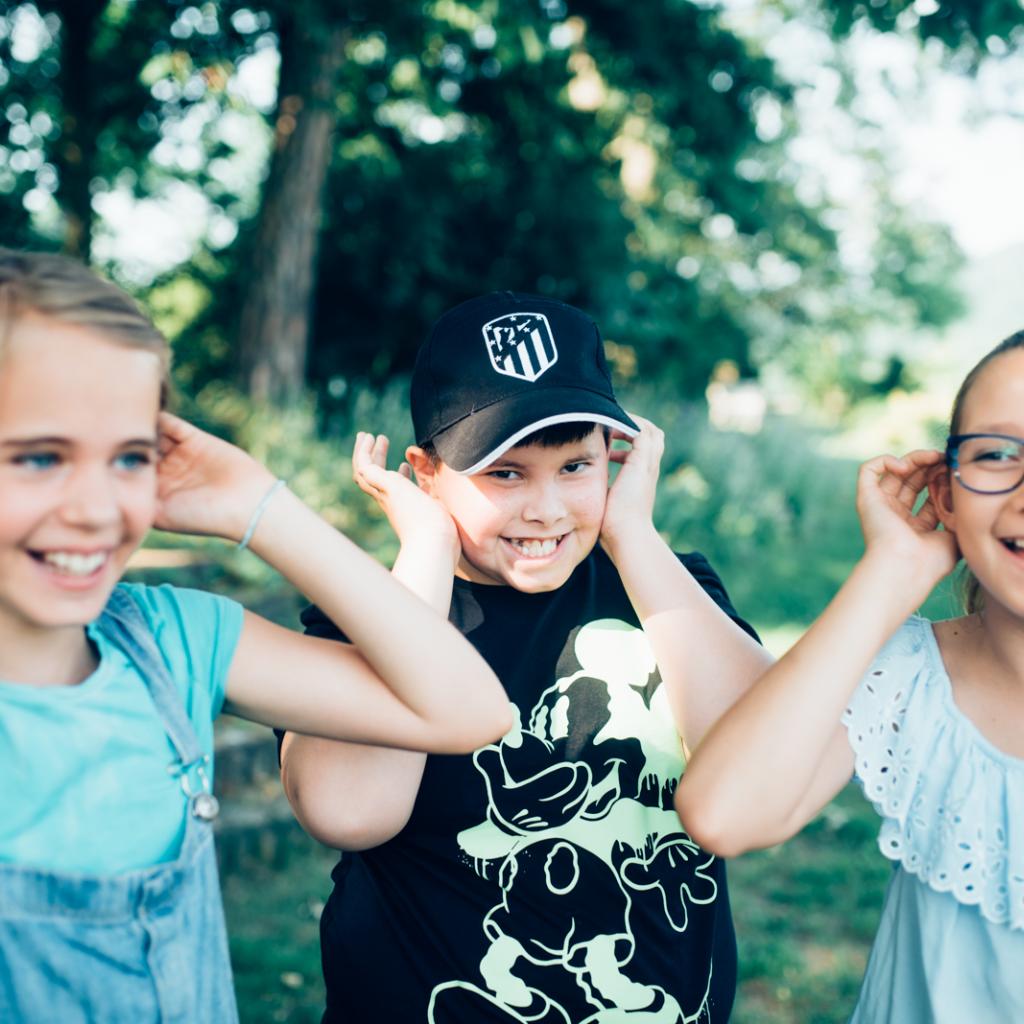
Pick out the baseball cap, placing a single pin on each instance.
(499, 367)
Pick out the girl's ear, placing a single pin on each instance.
(940, 487)
(424, 468)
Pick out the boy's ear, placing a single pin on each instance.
(423, 466)
(940, 487)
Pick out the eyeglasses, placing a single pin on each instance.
(986, 463)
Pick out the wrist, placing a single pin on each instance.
(262, 498)
(438, 546)
(630, 539)
(897, 585)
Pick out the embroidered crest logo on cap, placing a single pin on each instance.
(521, 344)
(500, 367)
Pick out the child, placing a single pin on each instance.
(109, 902)
(546, 878)
(933, 726)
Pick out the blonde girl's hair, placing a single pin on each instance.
(68, 291)
(970, 589)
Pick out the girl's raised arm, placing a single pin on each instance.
(411, 680)
(781, 752)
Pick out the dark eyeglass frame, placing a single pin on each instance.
(953, 443)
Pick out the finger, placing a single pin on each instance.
(405, 470)
(875, 473)
(360, 452)
(619, 455)
(379, 450)
(171, 431)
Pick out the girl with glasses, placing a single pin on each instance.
(928, 717)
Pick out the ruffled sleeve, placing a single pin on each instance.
(952, 804)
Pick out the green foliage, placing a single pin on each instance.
(776, 519)
(972, 28)
(633, 160)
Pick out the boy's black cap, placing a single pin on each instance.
(501, 366)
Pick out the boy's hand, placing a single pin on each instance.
(412, 513)
(204, 484)
(631, 497)
(888, 488)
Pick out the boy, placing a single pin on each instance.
(545, 878)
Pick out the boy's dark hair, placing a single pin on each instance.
(547, 437)
(968, 585)
(496, 369)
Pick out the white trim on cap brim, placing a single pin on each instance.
(548, 421)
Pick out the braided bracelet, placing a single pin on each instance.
(257, 513)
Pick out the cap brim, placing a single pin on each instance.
(476, 441)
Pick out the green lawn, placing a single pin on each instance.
(805, 914)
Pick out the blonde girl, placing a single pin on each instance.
(109, 902)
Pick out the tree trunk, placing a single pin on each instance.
(274, 323)
(75, 152)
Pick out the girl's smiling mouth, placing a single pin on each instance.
(73, 564)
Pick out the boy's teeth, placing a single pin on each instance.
(1014, 543)
(535, 548)
(74, 564)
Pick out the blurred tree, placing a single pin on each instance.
(972, 28)
(635, 160)
(274, 323)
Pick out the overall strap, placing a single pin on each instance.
(123, 622)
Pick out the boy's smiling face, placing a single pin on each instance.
(532, 516)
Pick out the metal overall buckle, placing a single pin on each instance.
(196, 785)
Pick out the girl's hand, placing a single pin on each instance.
(412, 513)
(631, 497)
(204, 484)
(888, 488)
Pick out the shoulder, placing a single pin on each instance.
(902, 677)
(943, 796)
(165, 605)
(196, 632)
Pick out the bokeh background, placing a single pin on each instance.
(798, 222)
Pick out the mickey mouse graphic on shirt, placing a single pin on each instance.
(596, 760)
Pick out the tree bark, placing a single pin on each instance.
(75, 153)
(274, 322)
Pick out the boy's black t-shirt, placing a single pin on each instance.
(545, 878)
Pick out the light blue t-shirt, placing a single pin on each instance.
(950, 944)
(85, 782)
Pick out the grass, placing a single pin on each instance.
(273, 923)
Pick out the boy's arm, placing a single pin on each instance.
(781, 753)
(375, 694)
(353, 796)
(705, 659)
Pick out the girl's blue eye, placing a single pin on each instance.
(133, 460)
(37, 460)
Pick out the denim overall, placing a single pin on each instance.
(142, 947)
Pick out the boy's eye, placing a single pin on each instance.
(37, 460)
(503, 474)
(574, 467)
